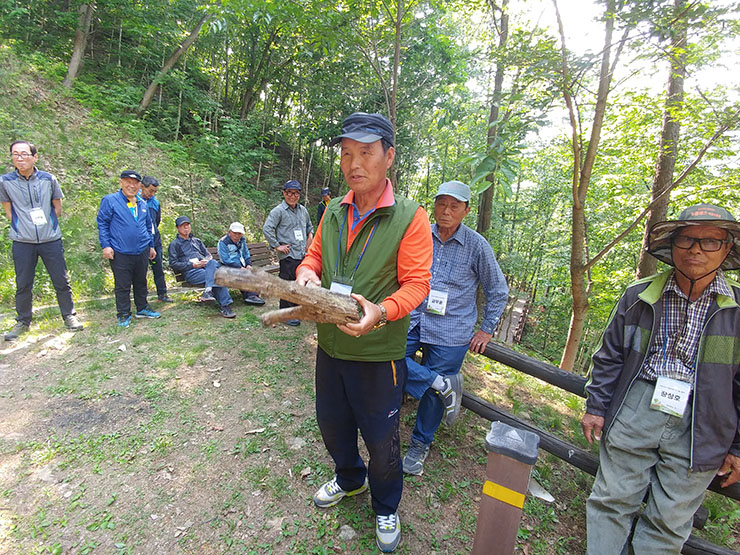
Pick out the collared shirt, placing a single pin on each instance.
(285, 225)
(413, 257)
(24, 195)
(675, 345)
(459, 265)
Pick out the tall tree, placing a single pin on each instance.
(170, 63)
(85, 13)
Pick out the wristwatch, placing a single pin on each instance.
(383, 317)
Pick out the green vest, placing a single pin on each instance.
(376, 277)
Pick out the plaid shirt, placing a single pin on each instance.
(675, 345)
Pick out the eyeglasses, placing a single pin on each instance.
(21, 155)
(707, 244)
(292, 193)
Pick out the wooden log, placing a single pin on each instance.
(276, 316)
(316, 303)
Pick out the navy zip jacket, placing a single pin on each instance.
(118, 229)
(182, 250)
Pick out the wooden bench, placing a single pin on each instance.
(262, 257)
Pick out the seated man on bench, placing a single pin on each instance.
(189, 256)
(234, 252)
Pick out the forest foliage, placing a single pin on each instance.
(253, 100)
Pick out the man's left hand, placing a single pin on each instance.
(479, 341)
(371, 316)
(730, 469)
(152, 254)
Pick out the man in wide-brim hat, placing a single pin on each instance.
(664, 388)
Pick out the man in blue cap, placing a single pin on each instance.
(288, 230)
(664, 389)
(125, 231)
(442, 326)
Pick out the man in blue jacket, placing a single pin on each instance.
(126, 235)
(32, 200)
(233, 252)
(189, 257)
(664, 389)
(149, 188)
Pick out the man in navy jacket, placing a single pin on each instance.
(125, 234)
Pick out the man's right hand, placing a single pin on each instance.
(200, 264)
(304, 276)
(592, 426)
(108, 253)
(285, 249)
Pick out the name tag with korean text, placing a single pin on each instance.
(437, 303)
(38, 217)
(341, 288)
(298, 234)
(670, 396)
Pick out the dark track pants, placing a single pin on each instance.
(130, 270)
(25, 258)
(158, 272)
(288, 266)
(364, 395)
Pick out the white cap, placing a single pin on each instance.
(236, 227)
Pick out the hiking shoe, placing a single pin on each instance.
(19, 329)
(147, 313)
(295, 322)
(330, 493)
(207, 297)
(72, 322)
(165, 298)
(413, 462)
(253, 298)
(226, 311)
(451, 396)
(387, 532)
(124, 321)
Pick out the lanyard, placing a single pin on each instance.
(339, 244)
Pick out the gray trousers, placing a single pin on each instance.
(645, 450)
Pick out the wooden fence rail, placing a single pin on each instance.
(562, 449)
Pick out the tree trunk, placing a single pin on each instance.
(85, 12)
(581, 178)
(170, 63)
(485, 200)
(669, 137)
(393, 107)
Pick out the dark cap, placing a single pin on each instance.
(325, 191)
(131, 173)
(149, 181)
(366, 128)
(292, 184)
(660, 238)
(182, 220)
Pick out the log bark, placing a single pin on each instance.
(314, 303)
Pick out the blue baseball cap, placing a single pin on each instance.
(182, 220)
(366, 128)
(454, 189)
(292, 184)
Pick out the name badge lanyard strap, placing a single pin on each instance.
(364, 248)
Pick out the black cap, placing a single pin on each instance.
(131, 173)
(325, 191)
(292, 184)
(366, 128)
(182, 220)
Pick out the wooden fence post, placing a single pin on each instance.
(511, 455)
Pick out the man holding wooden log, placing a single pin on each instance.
(442, 326)
(664, 389)
(376, 247)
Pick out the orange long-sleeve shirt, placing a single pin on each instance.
(414, 257)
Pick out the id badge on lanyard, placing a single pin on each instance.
(341, 285)
(37, 216)
(670, 396)
(298, 234)
(437, 303)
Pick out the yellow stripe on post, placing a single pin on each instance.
(502, 493)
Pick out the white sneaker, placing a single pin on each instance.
(330, 493)
(387, 532)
